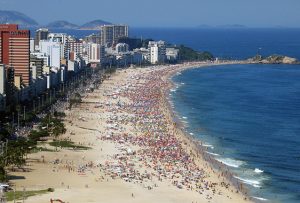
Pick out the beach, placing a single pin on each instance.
(138, 153)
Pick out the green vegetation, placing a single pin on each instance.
(135, 43)
(43, 149)
(4, 134)
(14, 155)
(75, 99)
(23, 113)
(188, 54)
(17, 150)
(36, 136)
(67, 144)
(185, 53)
(19, 195)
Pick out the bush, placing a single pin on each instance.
(50, 189)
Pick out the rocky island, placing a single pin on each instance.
(273, 59)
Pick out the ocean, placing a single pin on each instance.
(247, 115)
(229, 43)
(222, 43)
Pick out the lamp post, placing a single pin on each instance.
(18, 119)
(24, 108)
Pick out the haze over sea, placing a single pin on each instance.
(248, 115)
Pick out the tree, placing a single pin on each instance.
(188, 54)
(75, 99)
(4, 134)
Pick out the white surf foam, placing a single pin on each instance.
(231, 162)
(182, 83)
(184, 117)
(214, 154)
(208, 145)
(260, 198)
(254, 183)
(257, 170)
(173, 90)
(191, 133)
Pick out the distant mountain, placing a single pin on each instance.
(204, 26)
(61, 24)
(94, 25)
(14, 17)
(232, 26)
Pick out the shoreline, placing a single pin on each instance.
(155, 170)
(196, 142)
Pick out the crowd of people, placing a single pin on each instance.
(140, 103)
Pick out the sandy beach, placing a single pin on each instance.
(137, 152)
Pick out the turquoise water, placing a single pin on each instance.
(249, 117)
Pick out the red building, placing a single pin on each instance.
(15, 50)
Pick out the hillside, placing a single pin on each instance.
(61, 24)
(94, 25)
(14, 17)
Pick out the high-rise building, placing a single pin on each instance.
(44, 56)
(93, 38)
(15, 50)
(94, 53)
(40, 34)
(76, 47)
(157, 52)
(64, 40)
(38, 64)
(53, 50)
(2, 79)
(110, 34)
(120, 31)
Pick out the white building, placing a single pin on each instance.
(122, 47)
(58, 37)
(64, 39)
(172, 54)
(93, 53)
(157, 52)
(43, 56)
(2, 87)
(32, 47)
(73, 66)
(53, 50)
(144, 52)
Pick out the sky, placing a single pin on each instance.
(163, 13)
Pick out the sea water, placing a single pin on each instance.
(248, 116)
(222, 43)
